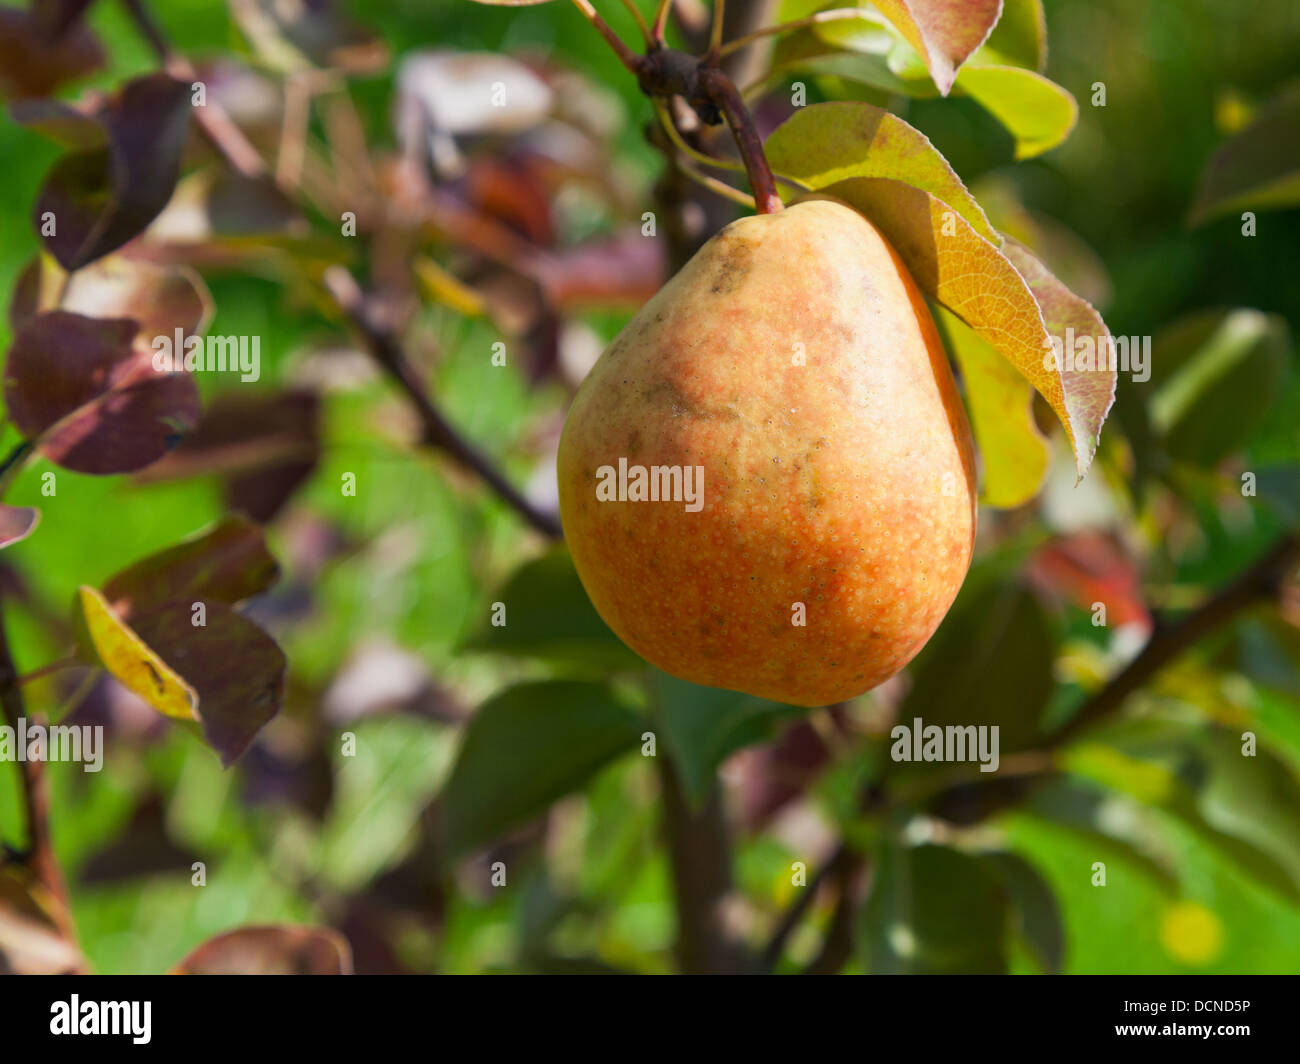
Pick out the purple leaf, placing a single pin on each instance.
(91, 401)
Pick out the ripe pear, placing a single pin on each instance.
(786, 400)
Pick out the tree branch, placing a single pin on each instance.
(38, 853)
(699, 853)
(438, 432)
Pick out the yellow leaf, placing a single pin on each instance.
(130, 660)
(1014, 452)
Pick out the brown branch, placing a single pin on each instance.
(699, 853)
(38, 853)
(625, 55)
(721, 90)
(438, 432)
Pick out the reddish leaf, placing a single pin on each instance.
(1090, 568)
(943, 32)
(236, 669)
(92, 403)
(34, 63)
(270, 951)
(101, 197)
(16, 523)
(264, 446)
(228, 564)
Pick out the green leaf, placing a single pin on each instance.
(1161, 785)
(1036, 914)
(1037, 112)
(1110, 824)
(1013, 453)
(1019, 39)
(1255, 798)
(548, 615)
(809, 55)
(829, 142)
(703, 726)
(525, 748)
(934, 911)
(1000, 300)
(990, 663)
(1213, 366)
(1257, 168)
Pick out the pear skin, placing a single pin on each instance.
(821, 515)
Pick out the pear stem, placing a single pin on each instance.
(721, 90)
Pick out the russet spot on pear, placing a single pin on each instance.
(794, 360)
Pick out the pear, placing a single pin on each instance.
(767, 481)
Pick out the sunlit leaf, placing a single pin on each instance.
(132, 662)
(1037, 112)
(1014, 453)
(943, 33)
(1019, 39)
(829, 142)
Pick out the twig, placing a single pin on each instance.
(722, 92)
(715, 35)
(661, 21)
(837, 947)
(38, 854)
(771, 954)
(640, 21)
(784, 27)
(625, 55)
(438, 432)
